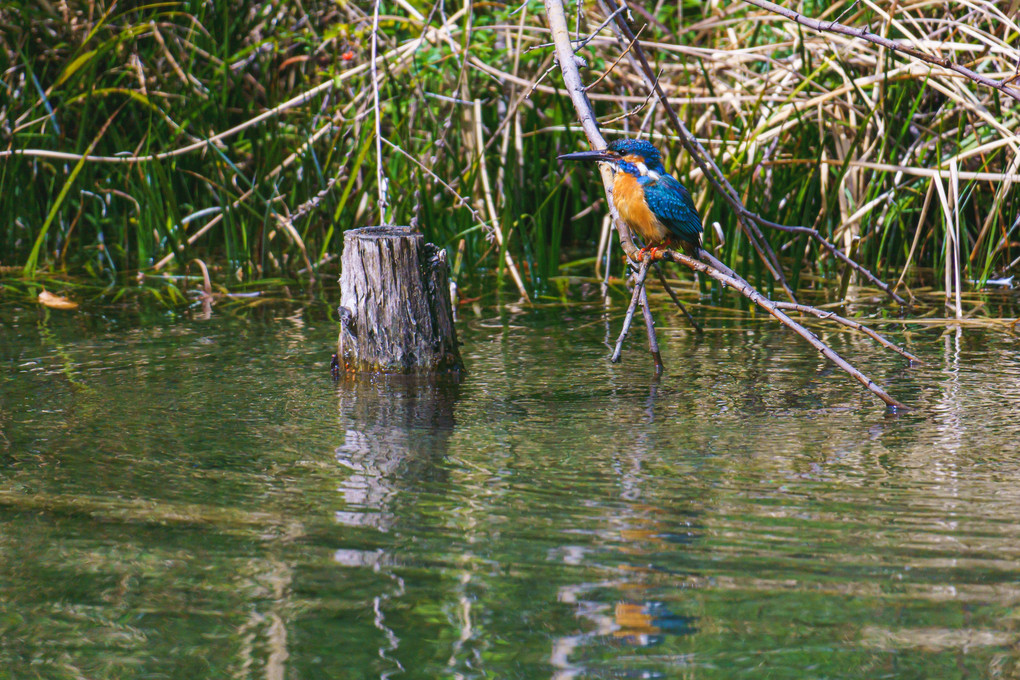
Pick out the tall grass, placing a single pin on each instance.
(818, 130)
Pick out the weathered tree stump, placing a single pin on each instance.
(395, 310)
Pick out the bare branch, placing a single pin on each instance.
(773, 308)
(898, 46)
(849, 323)
(653, 341)
(745, 218)
(676, 300)
(586, 116)
(836, 252)
(639, 287)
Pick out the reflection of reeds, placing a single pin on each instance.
(221, 129)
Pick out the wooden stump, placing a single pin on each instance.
(395, 310)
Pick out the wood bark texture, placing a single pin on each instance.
(395, 311)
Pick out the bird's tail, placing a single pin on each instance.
(690, 248)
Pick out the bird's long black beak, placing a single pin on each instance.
(604, 155)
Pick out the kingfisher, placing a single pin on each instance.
(652, 203)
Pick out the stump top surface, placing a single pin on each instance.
(380, 233)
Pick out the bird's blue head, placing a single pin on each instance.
(648, 154)
(625, 155)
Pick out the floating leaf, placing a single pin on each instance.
(55, 301)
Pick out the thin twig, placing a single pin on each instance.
(598, 30)
(639, 286)
(490, 203)
(461, 201)
(382, 183)
(612, 66)
(627, 114)
(722, 185)
(829, 246)
(773, 308)
(676, 300)
(849, 323)
(582, 43)
(893, 45)
(586, 116)
(704, 161)
(653, 341)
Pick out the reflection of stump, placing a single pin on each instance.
(395, 311)
(397, 430)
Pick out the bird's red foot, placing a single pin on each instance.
(652, 253)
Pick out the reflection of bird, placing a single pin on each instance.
(652, 203)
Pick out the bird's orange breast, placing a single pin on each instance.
(630, 201)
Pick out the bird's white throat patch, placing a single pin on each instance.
(645, 172)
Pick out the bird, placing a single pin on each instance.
(653, 203)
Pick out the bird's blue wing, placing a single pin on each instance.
(672, 204)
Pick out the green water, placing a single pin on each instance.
(185, 498)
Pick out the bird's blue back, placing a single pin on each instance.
(667, 198)
(672, 204)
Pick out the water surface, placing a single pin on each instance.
(185, 498)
